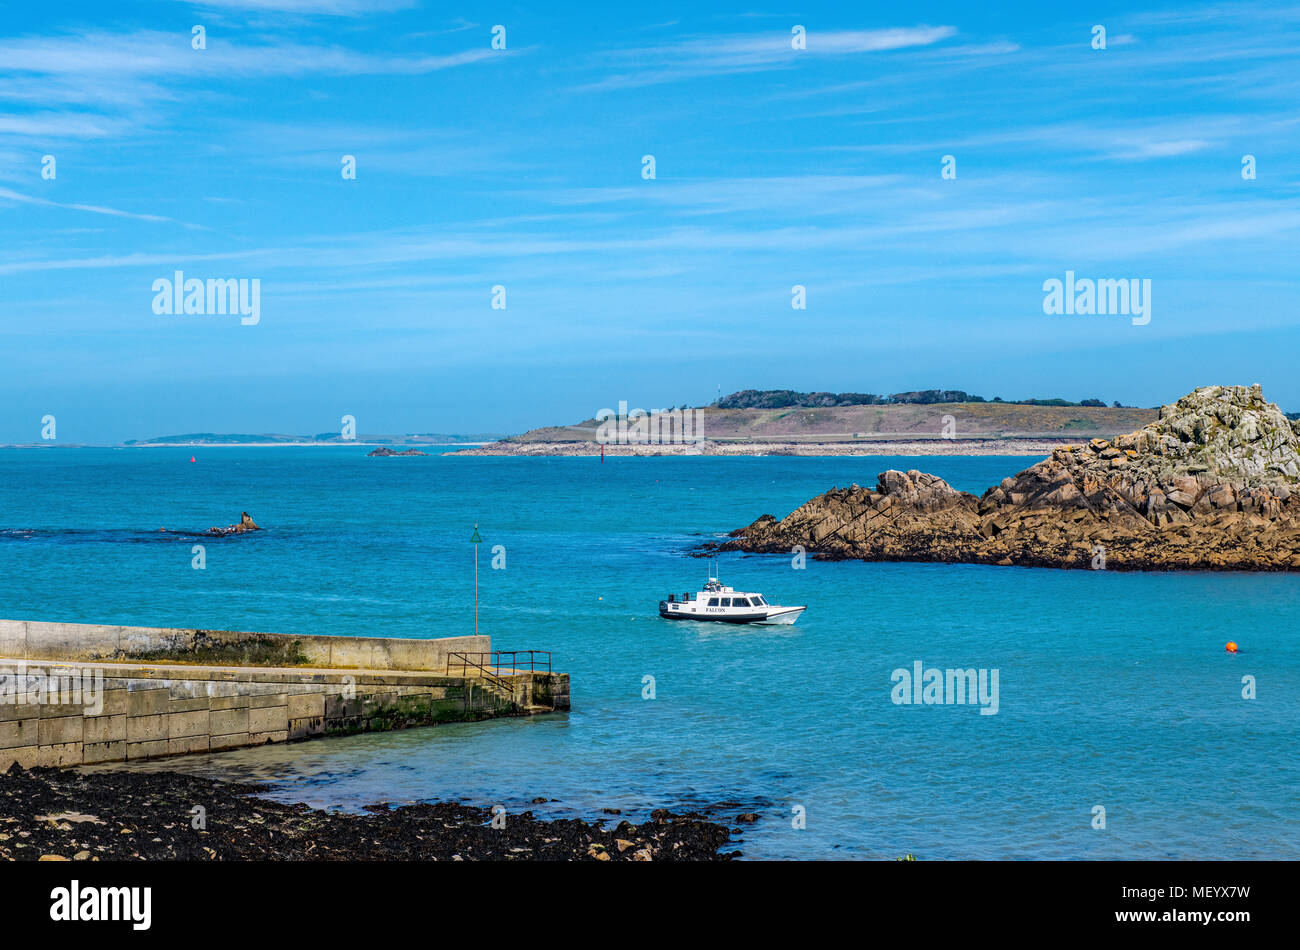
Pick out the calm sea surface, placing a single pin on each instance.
(1114, 689)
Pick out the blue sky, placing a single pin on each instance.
(523, 168)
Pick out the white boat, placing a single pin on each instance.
(726, 605)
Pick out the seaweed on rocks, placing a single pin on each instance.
(58, 814)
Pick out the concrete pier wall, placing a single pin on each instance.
(68, 695)
(39, 640)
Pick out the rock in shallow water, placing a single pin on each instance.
(245, 524)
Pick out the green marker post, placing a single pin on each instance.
(476, 541)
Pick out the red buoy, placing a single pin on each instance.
(191, 458)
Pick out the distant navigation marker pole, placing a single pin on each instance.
(476, 541)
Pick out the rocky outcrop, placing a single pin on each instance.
(385, 452)
(1214, 483)
(245, 524)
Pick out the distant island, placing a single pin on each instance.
(788, 422)
(324, 438)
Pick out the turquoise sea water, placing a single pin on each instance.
(1114, 689)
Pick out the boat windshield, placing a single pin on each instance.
(759, 601)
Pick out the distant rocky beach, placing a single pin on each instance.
(934, 446)
(1213, 484)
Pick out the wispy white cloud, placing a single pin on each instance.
(1118, 139)
(812, 195)
(1010, 222)
(411, 149)
(699, 56)
(344, 8)
(60, 125)
(152, 53)
(105, 92)
(1234, 14)
(7, 194)
(458, 25)
(1152, 149)
(126, 76)
(116, 261)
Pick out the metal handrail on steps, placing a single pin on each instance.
(495, 661)
(465, 662)
(490, 664)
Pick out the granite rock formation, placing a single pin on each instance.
(1213, 484)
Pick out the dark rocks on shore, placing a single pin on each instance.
(245, 524)
(57, 814)
(384, 452)
(1214, 484)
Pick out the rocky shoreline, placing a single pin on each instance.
(1214, 484)
(49, 814)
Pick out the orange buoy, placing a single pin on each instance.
(1231, 647)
